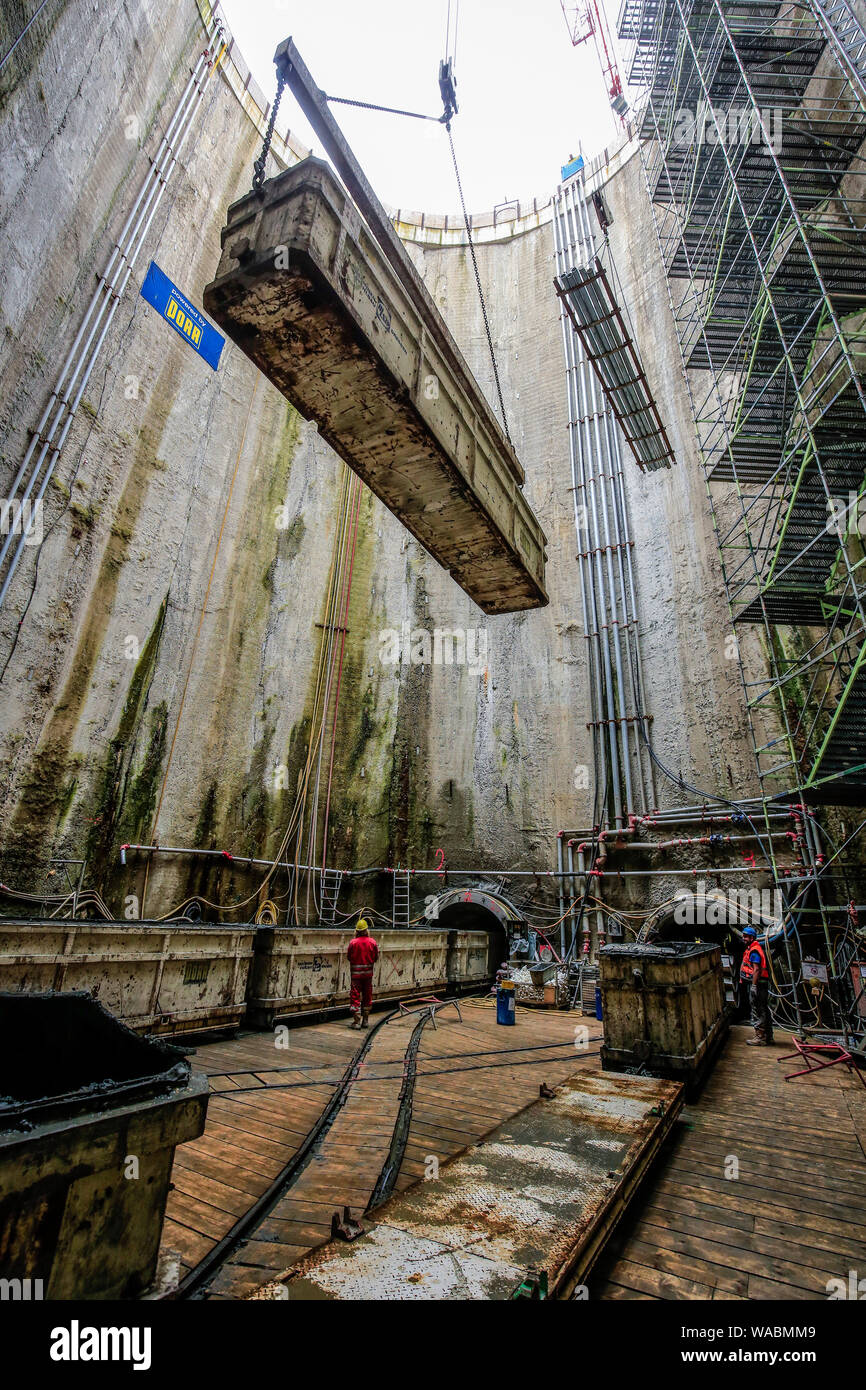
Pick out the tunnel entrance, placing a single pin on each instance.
(716, 919)
(473, 909)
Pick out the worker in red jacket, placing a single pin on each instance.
(363, 952)
(755, 974)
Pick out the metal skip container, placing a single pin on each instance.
(90, 1115)
(664, 1007)
(306, 293)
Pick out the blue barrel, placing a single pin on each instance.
(598, 1010)
(505, 1006)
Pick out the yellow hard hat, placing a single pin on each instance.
(362, 927)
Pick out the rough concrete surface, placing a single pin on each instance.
(161, 528)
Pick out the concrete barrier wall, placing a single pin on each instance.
(177, 978)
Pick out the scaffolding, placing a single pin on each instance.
(753, 151)
(753, 146)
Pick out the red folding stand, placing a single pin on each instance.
(812, 1052)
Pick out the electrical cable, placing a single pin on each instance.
(468, 225)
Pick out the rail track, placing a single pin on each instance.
(367, 1140)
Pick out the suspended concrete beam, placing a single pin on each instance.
(306, 293)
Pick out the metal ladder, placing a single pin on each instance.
(847, 37)
(331, 882)
(400, 898)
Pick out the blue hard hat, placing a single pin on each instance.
(749, 931)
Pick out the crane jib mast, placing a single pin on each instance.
(588, 21)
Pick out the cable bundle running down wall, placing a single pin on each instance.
(598, 322)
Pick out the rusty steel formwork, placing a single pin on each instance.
(664, 1007)
(524, 1214)
(305, 970)
(305, 292)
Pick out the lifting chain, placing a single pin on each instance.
(259, 166)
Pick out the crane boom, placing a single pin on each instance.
(589, 21)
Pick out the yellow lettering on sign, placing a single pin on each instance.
(182, 322)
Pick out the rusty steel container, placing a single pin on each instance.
(305, 969)
(167, 977)
(306, 293)
(90, 1116)
(664, 1007)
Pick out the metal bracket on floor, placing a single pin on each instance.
(430, 1005)
(345, 1227)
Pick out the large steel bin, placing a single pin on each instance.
(664, 1007)
(169, 977)
(90, 1115)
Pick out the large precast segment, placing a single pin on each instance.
(306, 293)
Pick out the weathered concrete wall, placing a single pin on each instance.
(110, 618)
(169, 636)
(693, 683)
(477, 760)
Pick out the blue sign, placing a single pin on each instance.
(573, 166)
(184, 317)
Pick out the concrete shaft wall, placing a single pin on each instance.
(693, 682)
(164, 639)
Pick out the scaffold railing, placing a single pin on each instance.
(753, 146)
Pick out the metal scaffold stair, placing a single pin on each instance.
(759, 207)
(847, 36)
(808, 545)
(332, 880)
(839, 774)
(400, 898)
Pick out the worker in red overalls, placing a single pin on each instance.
(363, 952)
(754, 973)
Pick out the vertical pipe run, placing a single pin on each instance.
(575, 894)
(102, 307)
(606, 569)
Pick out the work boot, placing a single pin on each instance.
(757, 1042)
(356, 1021)
(365, 1021)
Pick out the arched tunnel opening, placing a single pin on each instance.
(473, 916)
(477, 910)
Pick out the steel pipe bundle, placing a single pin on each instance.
(597, 319)
(607, 582)
(48, 438)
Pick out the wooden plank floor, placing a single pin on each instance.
(249, 1136)
(793, 1219)
(471, 1076)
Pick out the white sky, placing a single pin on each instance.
(527, 97)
